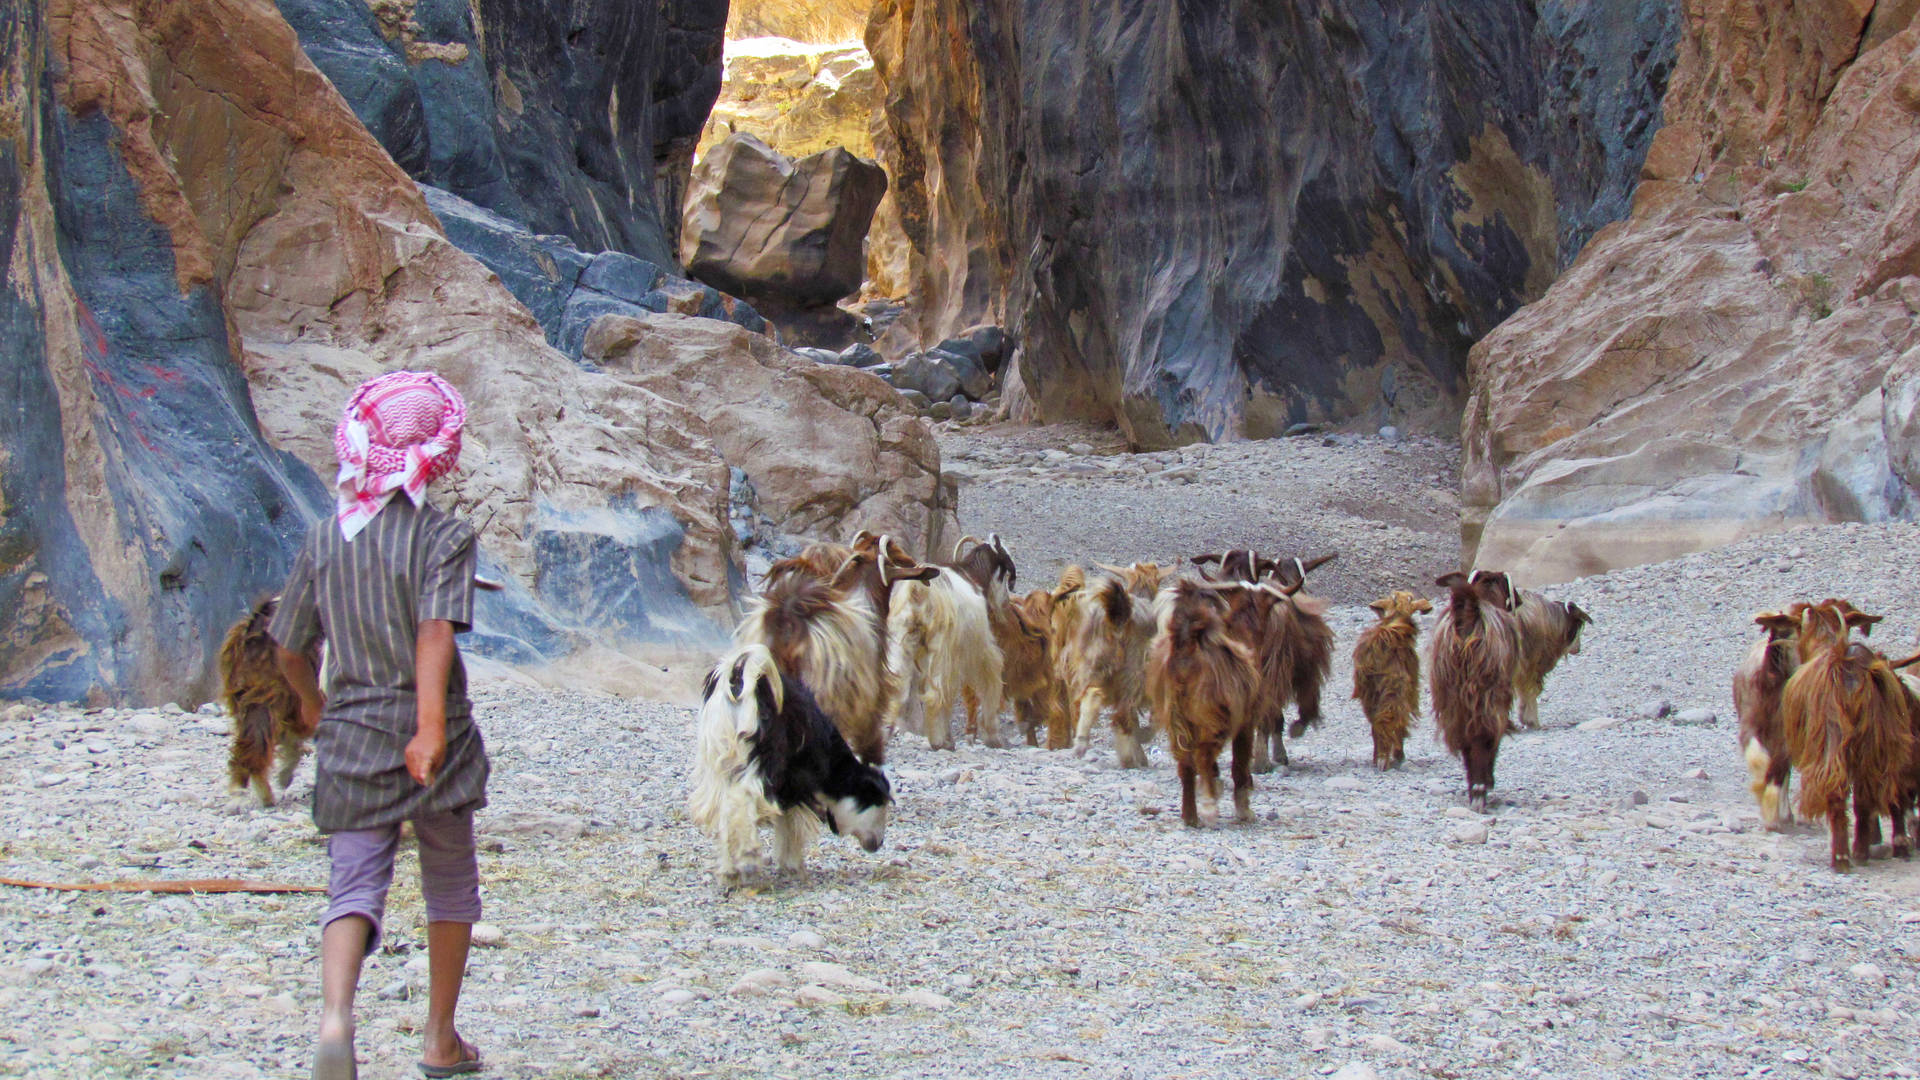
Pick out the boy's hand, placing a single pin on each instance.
(426, 752)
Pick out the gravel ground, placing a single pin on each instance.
(1060, 495)
(1032, 915)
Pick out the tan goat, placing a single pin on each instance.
(1548, 630)
(1757, 686)
(1386, 675)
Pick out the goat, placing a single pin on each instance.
(1026, 649)
(1100, 634)
(1295, 649)
(766, 755)
(941, 648)
(1474, 652)
(264, 708)
(1202, 680)
(1907, 798)
(1848, 727)
(1756, 697)
(1386, 675)
(831, 635)
(987, 565)
(1548, 630)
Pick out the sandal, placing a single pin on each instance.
(469, 1064)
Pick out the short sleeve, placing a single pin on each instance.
(446, 590)
(296, 619)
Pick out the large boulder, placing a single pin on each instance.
(1223, 219)
(212, 236)
(784, 233)
(1740, 355)
(575, 117)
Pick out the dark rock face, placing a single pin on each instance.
(1214, 220)
(575, 117)
(125, 548)
(567, 289)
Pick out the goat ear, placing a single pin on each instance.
(1455, 580)
(1202, 560)
(1315, 564)
(1863, 622)
(1908, 662)
(1420, 603)
(1381, 607)
(1581, 616)
(1119, 570)
(917, 573)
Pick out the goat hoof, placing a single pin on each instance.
(1079, 749)
(1296, 729)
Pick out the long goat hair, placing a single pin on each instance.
(1101, 629)
(941, 649)
(1026, 650)
(766, 754)
(1201, 681)
(1548, 631)
(1845, 716)
(1757, 686)
(265, 710)
(1474, 651)
(1386, 675)
(825, 636)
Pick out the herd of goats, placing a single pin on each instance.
(848, 643)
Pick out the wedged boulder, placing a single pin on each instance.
(1738, 357)
(926, 373)
(827, 448)
(780, 232)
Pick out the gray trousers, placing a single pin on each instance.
(363, 870)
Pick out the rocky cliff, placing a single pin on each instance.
(1203, 221)
(1738, 356)
(208, 250)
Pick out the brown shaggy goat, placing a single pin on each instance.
(1474, 652)
(265, 710)
(1549, 630)
(831, 635)
(1026, 646)
(1756, 697)
(1386, 675)
(1295, 650)
(1907, 798)
(1847, 723)
(1201, 681)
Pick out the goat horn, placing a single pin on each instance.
(1908, 662)
(1111, 569)
(963, 542)
(993, 541)
(886, 541)
(1315, 564)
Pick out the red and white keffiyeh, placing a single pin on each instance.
(400, 432)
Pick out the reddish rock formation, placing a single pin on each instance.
(1739, 356)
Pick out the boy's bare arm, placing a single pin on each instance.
(306, 686)
(432, 667)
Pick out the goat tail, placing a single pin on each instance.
(1881, 744)
(1115, 600)
(252, 749)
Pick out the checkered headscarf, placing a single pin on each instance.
(399, 432)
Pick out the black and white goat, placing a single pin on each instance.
(767, 755)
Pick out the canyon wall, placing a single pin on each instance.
(208, 249)
(1207, 221)
(1739, 355)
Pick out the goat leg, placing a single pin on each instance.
(1126, 739)
(1090, 706)
(1207, 764)
(939, 722)
(1059, 719)
(1866, 827)
(986, 715)
(1901, 850)
(1187, 812)
(1243, 775)
(1262, 759)
(1837, 834)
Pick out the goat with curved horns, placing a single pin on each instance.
(1475, 648)
(1295, 650)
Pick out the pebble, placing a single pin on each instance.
(1633, 798)
(1698, 717)
(1356, 1070)
(1473, 832)
(679, 996)
(806, 939)
(1600, 723)
(923, 999)
(1693, 774)
(760, 981)
(38, 965)
(836, 975)
(1653, 710)
(488, 936)
(1868, 973)
(1344, 783)
(811, 994)
(393, 991)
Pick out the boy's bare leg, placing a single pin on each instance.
(447, 945)
(343, 944)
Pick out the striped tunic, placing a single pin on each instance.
(368, 598)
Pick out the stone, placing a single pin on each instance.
(806, 939)
(817, 996)
(927, 373)
(1868, 973)
(1633, 798)
(1600, 723)
(959, 407)
(838, 977)
(1344, 783)
(1472, 832)
(488, 936)
(916, 400)
(1080, 448)
(766, 227)
(1611, 422)
(533, 823)
(1694, 774)
(940, 410)
(1181, 300)
(1653, 710)
(1390, 433)
(393, 991)
(759, 982)
(859, 355)
(1696, 717)
(922, 999)
(1355, 1070)
(678, 996)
